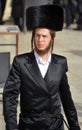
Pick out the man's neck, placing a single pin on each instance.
(44, 56)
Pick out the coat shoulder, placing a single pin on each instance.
(23, 57)
(59, 58)
(62, 60)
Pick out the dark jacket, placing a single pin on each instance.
(2, 8)
(17, 8)
(39, 98)
(79, 6)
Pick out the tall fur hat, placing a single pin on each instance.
(48, 16)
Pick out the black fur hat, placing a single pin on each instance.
(48, 16)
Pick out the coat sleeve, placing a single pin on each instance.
(68, 104)
(10, 96)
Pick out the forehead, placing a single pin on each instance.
(42, 31)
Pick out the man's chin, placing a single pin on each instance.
(41, 51)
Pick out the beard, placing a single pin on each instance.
(43, 51)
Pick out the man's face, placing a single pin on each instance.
(42, 40)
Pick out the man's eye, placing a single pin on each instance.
(37, 35)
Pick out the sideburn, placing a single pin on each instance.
(32, 40)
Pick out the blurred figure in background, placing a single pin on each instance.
(70, 7)
(57, 1)
(2, 9)
(79, 21)
(66, 5)
(73, 8)
(17, 12)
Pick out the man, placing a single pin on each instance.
(40, 78)
(79, 20)
(17, 13)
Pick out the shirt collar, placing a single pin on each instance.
(39, 59)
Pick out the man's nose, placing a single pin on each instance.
(40, 37)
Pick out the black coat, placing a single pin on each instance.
(79, 6)
(39, 98)
(17, 8)
(2, 8)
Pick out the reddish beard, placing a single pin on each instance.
(43, 51)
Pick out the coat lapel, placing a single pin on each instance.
(35, 72)
(50, 73)
(53, 71)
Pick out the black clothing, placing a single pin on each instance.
(2, 9)
(56, 1)
(17, 13)
(40, 103)
(17, 8)
(79, 20)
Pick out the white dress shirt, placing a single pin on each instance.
(43, 65)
